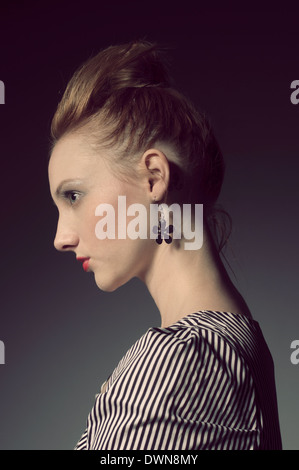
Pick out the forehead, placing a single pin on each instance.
(69, 152)
(73, 158)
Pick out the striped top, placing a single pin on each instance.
(205, 382)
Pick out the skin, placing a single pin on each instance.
(80, 179)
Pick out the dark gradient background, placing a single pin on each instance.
(62, 335)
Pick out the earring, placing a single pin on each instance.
(162, 231)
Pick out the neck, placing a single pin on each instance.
(185, 281)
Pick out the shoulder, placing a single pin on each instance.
(210, 327)
(198, 342)
(218, 344)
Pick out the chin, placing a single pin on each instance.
(111, 284)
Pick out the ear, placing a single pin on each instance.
(156, 168)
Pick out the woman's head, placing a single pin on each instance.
(123, 98)
(119, 121)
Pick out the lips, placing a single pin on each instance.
(85, 262)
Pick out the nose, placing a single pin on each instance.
(66, 238)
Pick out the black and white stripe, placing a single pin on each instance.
(206, 382)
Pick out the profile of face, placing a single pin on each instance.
(80, 179)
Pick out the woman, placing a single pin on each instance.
(204, 379)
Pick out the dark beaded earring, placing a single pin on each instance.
(162, 231)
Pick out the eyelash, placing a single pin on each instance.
(68, 194)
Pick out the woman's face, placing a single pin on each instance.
(80, 180)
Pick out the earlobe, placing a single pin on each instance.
(155, 163)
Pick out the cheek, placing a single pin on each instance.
(87, 221)
(116, 262)
(107, 214)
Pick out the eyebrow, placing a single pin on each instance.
(59, 188)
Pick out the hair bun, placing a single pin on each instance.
(134, 65)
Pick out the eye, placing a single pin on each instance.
(71, 196)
